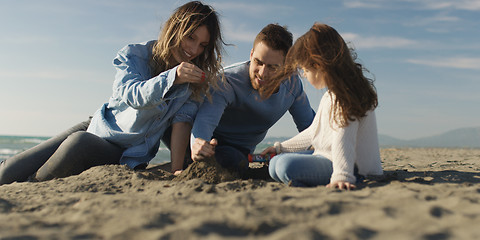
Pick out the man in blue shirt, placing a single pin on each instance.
(237, 119)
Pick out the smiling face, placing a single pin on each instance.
(264, 61)
(193, 45)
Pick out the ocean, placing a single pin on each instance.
(11, 145)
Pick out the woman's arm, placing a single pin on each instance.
(134, 83)
(181, 129)
(178, 145)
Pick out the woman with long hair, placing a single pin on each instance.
(157, 90)
(341, 144)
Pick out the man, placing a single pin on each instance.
(237, 119)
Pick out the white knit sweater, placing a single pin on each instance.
(356, 143)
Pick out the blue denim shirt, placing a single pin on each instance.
(142, 106)
(238, 116)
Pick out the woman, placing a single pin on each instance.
(157, 89)
(343, 134)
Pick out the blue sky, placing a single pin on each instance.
(56, 55)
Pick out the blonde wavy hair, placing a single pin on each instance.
(182, 23)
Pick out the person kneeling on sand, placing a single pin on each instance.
(238, 117)
(343, 134)
(158, 86)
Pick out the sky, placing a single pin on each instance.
(56, 56)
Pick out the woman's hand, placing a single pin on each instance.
(341, 185)
(188, 72)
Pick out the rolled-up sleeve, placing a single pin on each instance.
(133, 82)
(187, 112)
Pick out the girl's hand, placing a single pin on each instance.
(269, 150)
(341, 185)
(187, 72)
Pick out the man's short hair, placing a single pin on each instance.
(275, 37)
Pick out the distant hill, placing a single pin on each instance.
(463, 137)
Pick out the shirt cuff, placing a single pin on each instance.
(278, 147)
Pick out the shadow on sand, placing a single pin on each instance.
(424, 177)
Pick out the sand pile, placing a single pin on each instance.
(208, 170)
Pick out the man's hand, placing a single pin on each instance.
(202, 149)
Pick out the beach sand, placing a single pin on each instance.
(424, 194)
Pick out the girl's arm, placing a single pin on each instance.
(344, 141)
(298, 143)
(178, 145)
(302, 141)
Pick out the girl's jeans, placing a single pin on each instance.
(301, 169)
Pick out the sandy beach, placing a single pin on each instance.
(424, 194)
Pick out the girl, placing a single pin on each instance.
(156, 93)
(343, 134)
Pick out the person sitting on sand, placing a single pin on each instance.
(159, 84)
(238, 118)
(343, 136)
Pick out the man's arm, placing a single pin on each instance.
(301, 111)
(207, 120)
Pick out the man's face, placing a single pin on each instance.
(264, 61)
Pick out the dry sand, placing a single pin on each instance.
(425, 194)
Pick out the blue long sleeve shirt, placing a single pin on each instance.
(142, 106)
(238, 116)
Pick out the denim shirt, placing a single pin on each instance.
(142, 106)
(237, 116)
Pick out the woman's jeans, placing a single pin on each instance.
(301, 169)
(68, 153)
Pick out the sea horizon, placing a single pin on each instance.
(11, 145)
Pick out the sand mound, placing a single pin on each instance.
(208, 170)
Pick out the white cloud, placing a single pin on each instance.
(362, 4)
(235, 33)
(438, 19)
(246, 8)
(470, 5)
(378, 42)
(440, 23)
(455, 62)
